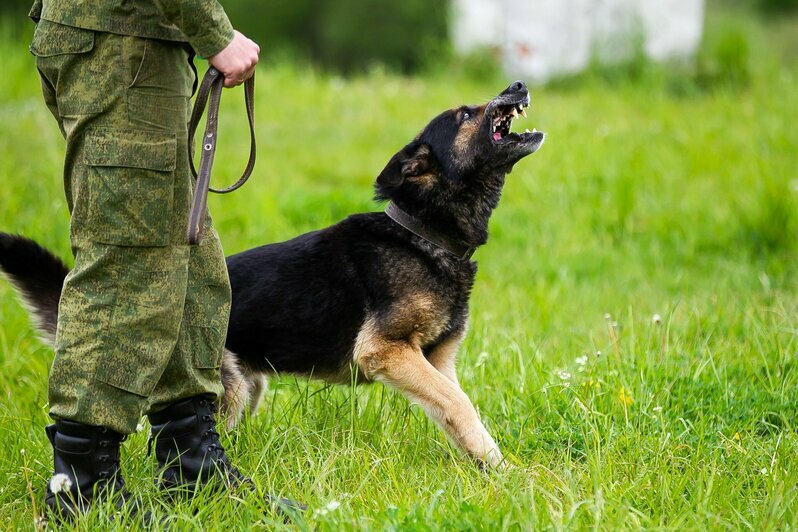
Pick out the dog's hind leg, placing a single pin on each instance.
(257, 387)
(237, 390)
(403, 366)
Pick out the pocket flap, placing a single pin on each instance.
(152, 150)
(51, 39)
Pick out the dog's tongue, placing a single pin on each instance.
(497, 136)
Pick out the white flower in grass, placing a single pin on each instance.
(564, 375)
(327, 508)
(582, 361)
(656, 319)
(60, 482)
(764, 470)
(657, 408)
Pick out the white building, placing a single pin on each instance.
(537, 39)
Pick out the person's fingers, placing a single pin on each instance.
(237, 61)
(232, 81)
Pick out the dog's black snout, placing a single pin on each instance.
(515, 88)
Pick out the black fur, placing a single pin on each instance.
(37, 274)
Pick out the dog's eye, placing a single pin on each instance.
(465, 116)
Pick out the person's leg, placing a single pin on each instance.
(194, 366)
(122, 305)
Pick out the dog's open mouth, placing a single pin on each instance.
(502, 120)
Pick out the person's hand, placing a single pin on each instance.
(237, 60)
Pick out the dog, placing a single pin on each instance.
(379, 296)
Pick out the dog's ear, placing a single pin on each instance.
(412, 160)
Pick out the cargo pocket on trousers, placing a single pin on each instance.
(206, 345)
(206, 318)
(54, 45)
(130, 186)
(51, 38)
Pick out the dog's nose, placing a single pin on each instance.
(517, 86)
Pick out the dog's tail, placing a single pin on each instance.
(38, 275)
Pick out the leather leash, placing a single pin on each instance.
(209, 94)
(459, 249)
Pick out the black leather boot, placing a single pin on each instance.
(189, 453)
(86, 469)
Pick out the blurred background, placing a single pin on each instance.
(537, 38)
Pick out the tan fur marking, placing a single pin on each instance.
(401, 364)
(466, 135)
(444, 356)
(236, 390)
(257, 388)
(426, 180)
(416, 317)
(367, 341)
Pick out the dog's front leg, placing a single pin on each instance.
(403, 366)
(444, 356)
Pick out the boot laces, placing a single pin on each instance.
(111, 460)
(215, 448)
(211, 435)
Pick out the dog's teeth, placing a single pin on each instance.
(534, 130)
(523, 113)
(514, 112)
(527, 131)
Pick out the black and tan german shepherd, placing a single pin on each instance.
(382, 296)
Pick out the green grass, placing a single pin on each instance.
(658, 192)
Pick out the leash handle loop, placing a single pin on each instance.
(209, 95)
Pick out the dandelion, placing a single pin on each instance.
(656, 319)
(625, 397)
(736, 436)
(60, 482)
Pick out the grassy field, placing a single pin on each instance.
(633, 336)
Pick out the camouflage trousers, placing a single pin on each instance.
(143, 315)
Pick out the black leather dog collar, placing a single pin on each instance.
(459, 249)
